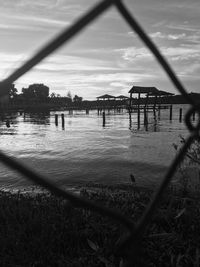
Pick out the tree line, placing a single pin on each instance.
(39, 91)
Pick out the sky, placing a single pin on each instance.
(107, 57)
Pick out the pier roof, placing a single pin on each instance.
(106, 96)
(143, 90)
(121, 97)
(164, 93)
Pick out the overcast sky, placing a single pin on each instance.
(107, 57)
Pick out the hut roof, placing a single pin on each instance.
(106, 96)
(165, 93)
(161, 93)
(143, 90)
(122, 97)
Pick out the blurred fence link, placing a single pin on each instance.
(129, 244)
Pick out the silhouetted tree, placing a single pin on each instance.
(52, 95)
(27, 93)
(36, 90)
(77, 99)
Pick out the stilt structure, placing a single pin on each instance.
(137, 102)
(158, 99)
(141, 90)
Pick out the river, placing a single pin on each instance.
(86, 151)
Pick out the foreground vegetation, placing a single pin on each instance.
(41, 230)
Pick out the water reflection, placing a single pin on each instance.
(37, 118)
(146, 121)
(8, 123)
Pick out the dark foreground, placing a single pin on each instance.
(42, 230)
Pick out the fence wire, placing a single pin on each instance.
(135, 233)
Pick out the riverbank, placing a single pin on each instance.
(42, 230)
(19, 103)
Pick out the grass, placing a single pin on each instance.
(42, 230)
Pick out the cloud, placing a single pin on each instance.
(183, 27)
(176, 36)
(9, 62)
(184, 60)
(31, 23)
(117, 84)
(58, 63)
(42, 21)
(86, 84)
(183, 37)
(75, 63)
(160, 35)
(133, 54)
(108, 56)
(193, 68)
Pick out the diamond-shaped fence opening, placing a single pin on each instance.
(130, 242)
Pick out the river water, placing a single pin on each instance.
(85, 150)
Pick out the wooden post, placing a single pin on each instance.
(180, 115)
(56, 119)
(146, 110)
(63, 120)
(145, 117)
(130, 101)
(130, 121)
(87, 111)
(104, 119)
(159, 108)
(154, 106)
(138, 110)
(146, 101)
(170, 113)
(155, 102)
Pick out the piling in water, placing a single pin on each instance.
(104, 119)
(170, 113)
(130, 121)
(63, 120)
(145, 117)
(138, 111)
(159, 108)
(180, 115)
(56, 119)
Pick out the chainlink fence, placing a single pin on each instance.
(135, 232)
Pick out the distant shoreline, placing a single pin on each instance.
(57, 103)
